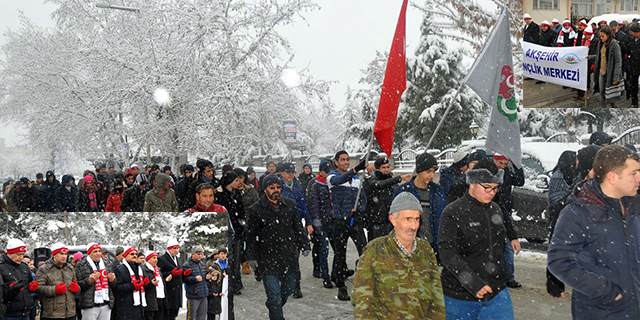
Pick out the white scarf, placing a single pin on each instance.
(160, 285)
(101, 294)
(137, 293)
(572, 34)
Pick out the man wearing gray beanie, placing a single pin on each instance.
(471, 241)
(417, 292)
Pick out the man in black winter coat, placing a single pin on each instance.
(231, 199)
(531, 30)
(18, 283)
(133, 198)
(547, 36)
(47, 193)
(634, 62)
(380, 195)
(171, 272)
(471, 239)
(183, 186)
(274, 237)
(128, 289)
(92, 276)
(67, 195)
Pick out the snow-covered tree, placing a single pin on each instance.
(89, 81)
(433, 76)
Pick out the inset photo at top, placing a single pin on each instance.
(581, 54)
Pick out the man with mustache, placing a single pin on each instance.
(471, 241)
(274, 237)
(398, 272)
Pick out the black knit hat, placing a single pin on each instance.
(586, 156)
(269, 180)
(476, 156)
(598, 138)
(380, 161)
(425, 161)
(228, 178)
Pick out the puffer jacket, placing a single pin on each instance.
(66, 200)
(380, 196)
(18, 303)
(49, 276)
(87, 289)
(344, 189)
(319, 202)
(297, 194)
(195, 289)
(595, 250)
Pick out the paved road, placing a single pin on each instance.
(530, 302)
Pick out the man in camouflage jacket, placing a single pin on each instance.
(398, 275)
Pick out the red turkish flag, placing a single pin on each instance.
(395, 82)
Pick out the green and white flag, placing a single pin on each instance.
(491, 77)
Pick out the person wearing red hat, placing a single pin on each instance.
(57, 285)
(531, 30)
(171, 270)
(128, 289)
(547, 35)
(566, 35)
(96, 298)
(154, 290)
(17, 283)
(512, 177)
(587, 39)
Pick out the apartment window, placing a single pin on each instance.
(629, 5)
(582, 7)
(545, 4)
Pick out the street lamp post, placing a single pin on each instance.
(474, 128)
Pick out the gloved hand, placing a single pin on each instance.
(74, 287)
(187, 272)
(305, 253)
(253, 264)
(145, 282)
(361, 166)
(176, 272)
(61, 288)
(17, 287)
(33, 286)
(560, 45)
(137, 284)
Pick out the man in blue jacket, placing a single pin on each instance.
(431, 196)
(292, 189)
(194, 277)
(344, 184)
(595, 246)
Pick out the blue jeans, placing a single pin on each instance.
(499, 308)
(508, 256)
(323, 252)
(278, 288)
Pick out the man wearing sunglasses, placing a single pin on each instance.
(471, 240)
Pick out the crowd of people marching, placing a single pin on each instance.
(614, 51)
(446, 249)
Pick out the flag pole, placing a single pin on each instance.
(366, 161)
(446, 112)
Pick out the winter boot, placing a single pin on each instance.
(327, 283)
(297, 293)
(343, 295)
(316, 272)
(245, 268)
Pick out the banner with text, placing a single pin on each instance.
(562, 66)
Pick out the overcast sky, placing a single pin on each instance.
(335, 42)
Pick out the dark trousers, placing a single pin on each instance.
(633, 88)
(342, 231)
(315, 252)
(278, 288)
(155, 315)
(235, 262)
(70, 318)
(169, 314)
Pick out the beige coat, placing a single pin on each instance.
(48, 277)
